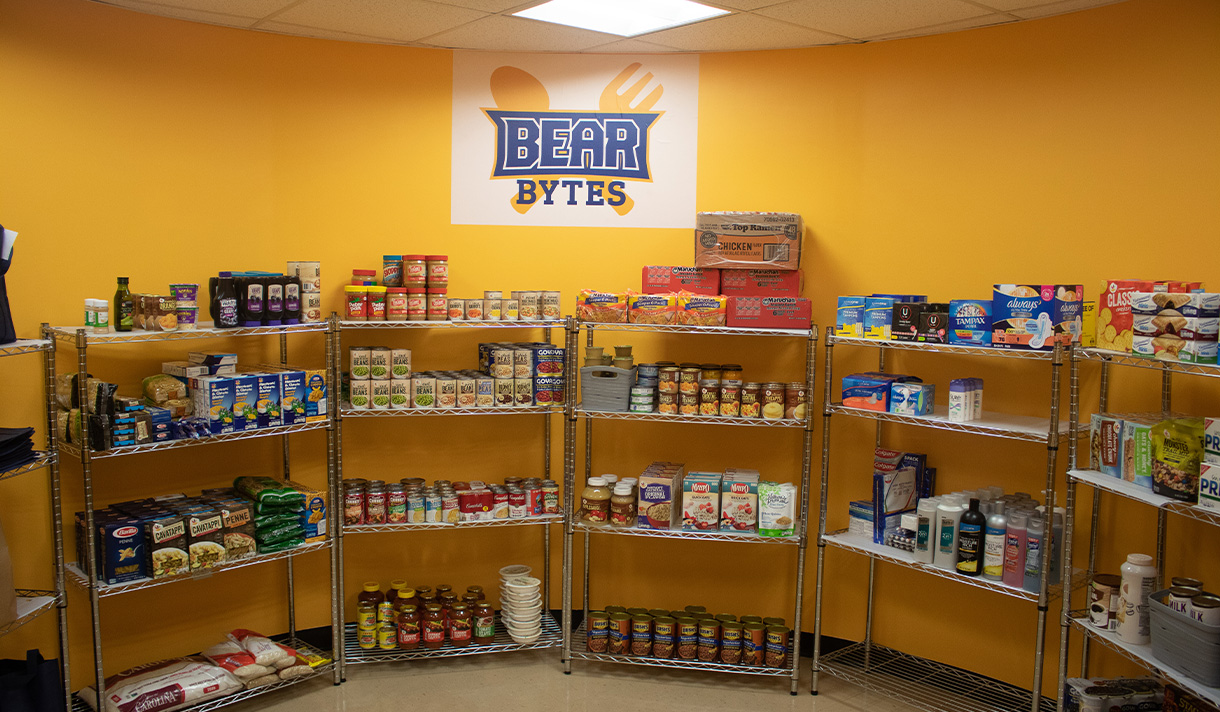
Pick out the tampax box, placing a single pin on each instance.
(970, 322)
(663, 280)
(849, 316)
(769, 312)
(660, 488)
(743, 240)
(878, 317)
(760, 282)
(214, 398)
(245, 402)
(701, 501)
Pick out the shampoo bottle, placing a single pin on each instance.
(925, 539)
(1014, 550)
(1035, 552)
(1055, 560)
(994, 541)
(970, 540)
(948, 516)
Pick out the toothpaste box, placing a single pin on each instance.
(878, 317)
(970, 322)
(760, 282)
(769, 312)
(1106, 444)
(696, 280)
(1209, 485)
(245, 402)
(849, 317)
(904, 322)
(213, 397)
(912, 398)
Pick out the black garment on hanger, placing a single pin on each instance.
(8, 333)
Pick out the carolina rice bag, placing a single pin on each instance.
(235, 659)
(164, 686)
(265, 652)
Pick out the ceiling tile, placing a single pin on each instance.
(739, 32)
(870, 18)
(401, 20)
(970, 24)
(213, 18)
(506, 33)
(284, 28)
(632, 46)
(237, 8)
(1058, 8)
(502, 5)
(741, 4)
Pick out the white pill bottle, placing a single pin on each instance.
(1138, 582)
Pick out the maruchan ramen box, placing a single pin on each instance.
(770, 312)
(742, 240)
(760, 282)
(664, 280)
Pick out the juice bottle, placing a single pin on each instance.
(124, 307)
(225, 313)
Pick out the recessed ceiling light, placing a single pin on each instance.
(621, 17)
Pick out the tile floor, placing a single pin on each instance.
(532, 681)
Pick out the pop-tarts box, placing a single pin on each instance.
(911, 398)
(970, 322)
(878, 313)
(213, 398)
(849, 317)
(245, 402)
(1035, 317)
(268, 403)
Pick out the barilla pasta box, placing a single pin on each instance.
(1106, 444)
(760, 282)
(245, 402)
(970, 322)
(849, 317)
(1035, 317)
(878, 317)
(213, 398)
(769, 312)
(744, 240)
(663, 280)
(121, 550)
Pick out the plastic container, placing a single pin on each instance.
(948, 516)
(1014, 549)
(1183, 643)
(606, 388)
(1036, 540)
(438, 271)
(391, 270)
(994, 539)
(1139, 579)
(925, 539)
(357, 303)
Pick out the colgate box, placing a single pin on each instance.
(770, 312)
(696, 280)
(760, 282)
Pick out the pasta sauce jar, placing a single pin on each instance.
(433, 626)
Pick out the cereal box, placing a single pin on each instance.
(748, 240)
(653, 309)
(878, 317)
(904, 322)
(739, 500)
(849, 317)
(664, 280)
(970, 322)
(659, 485)
(1106, 444)
(770, 312)
(1035, 317)
(760, 282)
(701, 501)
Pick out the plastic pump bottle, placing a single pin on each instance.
(948, 516)
(970, 540)
(1035, 552)
(925, 540)
(1014, 549)
(994, 540)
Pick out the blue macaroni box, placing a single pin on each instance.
(245, 402)
(878, 312)
(292, 397)
(849, 318)
(267, 404)
(970, 322)
(213, 398)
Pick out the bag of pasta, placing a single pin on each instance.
(602, 307)
(653, 309)
(702, 309)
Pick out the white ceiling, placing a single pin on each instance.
(489, 25)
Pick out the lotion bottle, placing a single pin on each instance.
(994, 541)
(948, 516)
(925, 540)
(1035, 552)
(1014, 550)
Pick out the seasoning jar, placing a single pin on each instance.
(461, 628)
(364, 276)
(414, 271)
(641, 634)
(433, 626)
(598, 638)
(438, 271)
(688, 637)
(408, 627)
(396, 304)
(773, 395)
(484, 621)
(753, 643)
(391, 270)
(777, 646)
(709, 639)
(663, 629)
(595, 502)
(751, 400)
(438, 304)
(357, 301)
(709, 372)
(620, 633)
(730, 642)
(622, 506)
(417, 304)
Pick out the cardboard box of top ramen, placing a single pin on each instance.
(744, 240)
(696, 280)
(760, 282)
(769, 312)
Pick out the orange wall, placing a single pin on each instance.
(1069, 149)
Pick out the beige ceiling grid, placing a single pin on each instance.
(489, 24)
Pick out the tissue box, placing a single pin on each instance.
(912, 398)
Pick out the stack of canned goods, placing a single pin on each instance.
(689, 634)
(412, 501)
(644, 392)
(380, 377)
(518, 306)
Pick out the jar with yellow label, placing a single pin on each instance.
(366, 616)
(387, 636)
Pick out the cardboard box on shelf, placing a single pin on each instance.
(744, 240)
(697, 280)
(760, 282)
(660, 496)
(1035, 317)
(878, 317)
(769, 312)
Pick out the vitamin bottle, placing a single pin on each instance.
(1035, 552)
(1014, 549)
(1139, 579)
(994, 540)
(970, 540)
(948, 515)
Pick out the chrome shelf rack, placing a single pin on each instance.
(1078, 473)
(33, 603)
(82, 339)
(350, 652)
(918, 681)
(574, 639)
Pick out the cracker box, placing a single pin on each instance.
(878, 317)
(1034, 317)
(700, 501)
(664, 280)
(970, 322)
(849, 317)
(660, 487)
(760, 282)
(904, 322)
(1211, 440)
(213, 398)
(1113, 324)
(739, 500)
(934, 324)
(1209, 485)
(1106, 444)
(912, 398)
(745, 240)
(770, 312)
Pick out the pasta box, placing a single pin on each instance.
(770, 312)
(664, 280)
(205, 537)
(760, 282)
(213, 398)
(165, 540)
(238, 517)
(743, 240)
(658, 485)
(700, 501)
(121, 549)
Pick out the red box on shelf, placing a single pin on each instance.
(760, 282)
(696, 280)
(770, 312)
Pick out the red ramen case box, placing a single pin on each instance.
(664, 280)
(744, 240)
(760, 282)
(769, 312)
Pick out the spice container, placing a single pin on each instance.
(620, 634)
(641, 634)
(414, 271)
(396, 304)
(598, 638)
(438, 304)
(438, 271)
(709, 639)
(663, 630)
(417, 304)
(356, 302)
